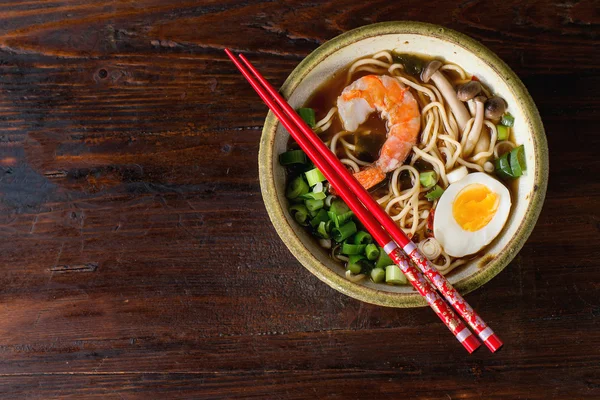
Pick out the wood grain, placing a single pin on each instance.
(139, 261)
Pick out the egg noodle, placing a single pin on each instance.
(440, 144)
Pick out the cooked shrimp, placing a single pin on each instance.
(397, 105)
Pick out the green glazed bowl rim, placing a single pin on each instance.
(294, 243)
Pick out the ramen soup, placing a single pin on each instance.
(430, 142)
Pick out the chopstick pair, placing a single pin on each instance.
(375, 219)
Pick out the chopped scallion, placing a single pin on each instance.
(338, 207)
(343, 232)
(517, 161)
(320, 217)
(507, 120)
(362, 237)
(503, 132)
(308, 116)
(434, 193)
(322, 230)
(351, 249)
(299, 212)
(314, 196)
(503, 169)
(377, 275)
(372, 251)
(428, 179)
(292, 157)
(314, 176)
(355, 263)
(296, 188)
(394, 276)
(313, 205)
(339, 219)
(383, 260)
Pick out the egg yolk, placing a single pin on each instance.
(474, 207)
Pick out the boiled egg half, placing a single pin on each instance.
(470, 214)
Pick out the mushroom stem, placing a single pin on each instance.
(458, 108)
(473, 135)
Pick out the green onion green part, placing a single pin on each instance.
(296, 188)
(383, 260)
(394, 276)
(428, 179)
(503, 169)
(371, 251)
(362, 237)
(503, 132)
(314, 176)
(320, 217)
(343, 232)
(434, 193)
(292, 157)
(377, 275)
(308, 116)
(352, 249)
(299, 212)
(339, 207)
(355, 263)
(322, 230)
(314, 196)
(507, 120)
(314, 205)
(517, 161)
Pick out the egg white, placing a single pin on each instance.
(456, 241)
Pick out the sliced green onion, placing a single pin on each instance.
(372, 251)
(362, 237)
(318, 188)
(320, 217)
(434, 193)
(383, 260)
(517, 161)
(351, 249)
(355, 263)
(503, 169)
(314, 205)
(293, 157)
(339, 207)
(343, 232)
(314, 176)
(394, 276)
(296, 188)
(307, 115)
(299, 212)
(507, 120)
(329, 225)
(322, 230)
(428, 179)
(503, 132)
(339, 219)
(377, 275)
(314, 196)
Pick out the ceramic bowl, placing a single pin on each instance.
(432, 40)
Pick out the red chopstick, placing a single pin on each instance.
(299, 130)
(486, 334)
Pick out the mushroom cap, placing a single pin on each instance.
(430, 69)
(480, 99)
(469, 90)
(495, 107)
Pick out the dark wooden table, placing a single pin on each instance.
(137, 257)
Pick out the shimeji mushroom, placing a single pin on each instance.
(458, 108)
(467, 92)
(473, 135)
(495, 108)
